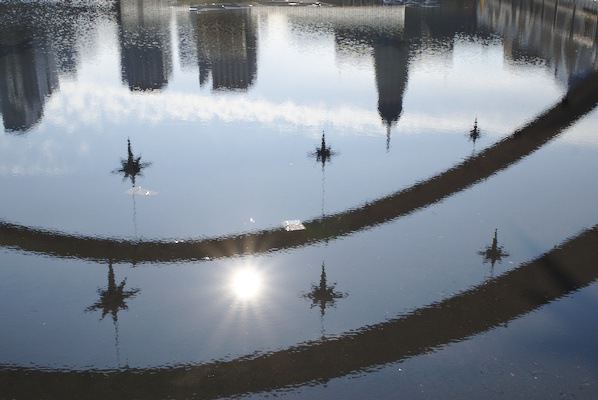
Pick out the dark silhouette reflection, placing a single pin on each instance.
(391, 60)
(474, 133)
(324, 295)
(226, 47)
(113, 298)
(493, 253)
(354, 27)
(28, 71)
(555, 274)
(131, 166)
(39, 43)
(145, 44)
(323, 154)
(564, 34)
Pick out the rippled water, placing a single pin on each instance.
(307, 202)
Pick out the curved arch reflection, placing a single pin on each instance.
(493, 303)
(578, 102)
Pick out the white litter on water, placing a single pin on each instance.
(138, 190)
(293, 225)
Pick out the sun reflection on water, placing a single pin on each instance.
(245, 314)
(247, 283)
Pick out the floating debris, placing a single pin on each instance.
(138, 190)
(222, 6)
(293, 225)
(238, 6)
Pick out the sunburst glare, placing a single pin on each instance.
(247, 283)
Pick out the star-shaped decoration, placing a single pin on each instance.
(493, 253)
(323, 295)
(475, 133)
(323, 154)
(112, 298)
(131, 166)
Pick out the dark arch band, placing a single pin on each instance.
(577, 103)
(555, 274)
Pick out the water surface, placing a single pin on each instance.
(439, 156)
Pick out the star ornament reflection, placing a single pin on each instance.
(112, 298)
(474, 133)
(493, 253)
(323, 154)
(131, 166)
(324, 295)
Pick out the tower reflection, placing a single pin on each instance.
(391, 59)
(146, 54)
(226, 47)
(28, 71)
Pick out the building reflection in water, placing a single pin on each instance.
(36, 51)
(226, 47)
(564, 33)
(391, 59)
(146, 54)
(493, 253)
(28, 73)
(369, 31)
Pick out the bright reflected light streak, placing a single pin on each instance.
(246, 283)
(245, 315)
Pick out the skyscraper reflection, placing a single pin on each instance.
(383, 32)
(561, 32)
(146, 54)
(391, 60)
(226, 47)
(28, 73)
(36, 51)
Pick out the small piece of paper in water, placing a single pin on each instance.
(294, 225)
(138, 190)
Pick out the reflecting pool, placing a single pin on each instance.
(335, 201)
